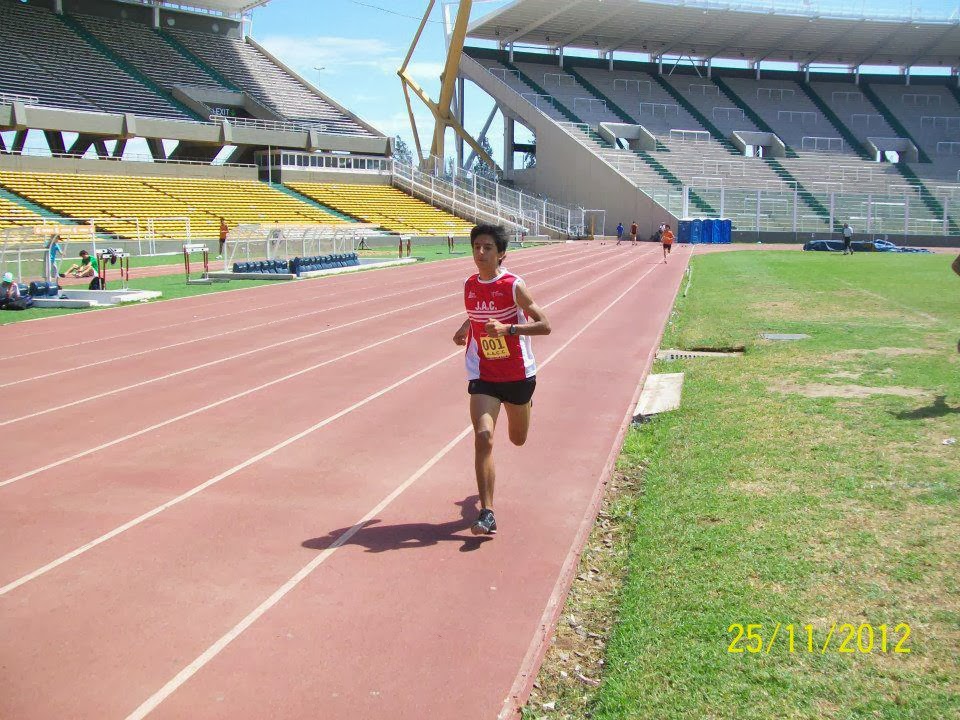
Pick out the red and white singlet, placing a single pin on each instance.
(505, 359)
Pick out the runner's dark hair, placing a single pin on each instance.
(497, 232)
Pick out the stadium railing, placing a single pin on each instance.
(459, 191)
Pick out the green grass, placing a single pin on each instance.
(761, 503)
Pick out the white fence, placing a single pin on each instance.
(626, 83)
(774, 93)
(503, 72)
(663, 109)
(868, 119)
(728, 113)
(804, 117)
(939, 122)
(10, 98)
(921, 100)
(685, 136)
(559, 79)
(821, 144)
(846, 96)
(703, 89)
(539, 101)
(589, 104)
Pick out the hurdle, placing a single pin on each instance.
(106, 255)
(204, 279)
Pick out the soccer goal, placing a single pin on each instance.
(38, 252)
(246, 243)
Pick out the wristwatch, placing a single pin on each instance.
(512, 330)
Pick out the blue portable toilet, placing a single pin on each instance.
(718, 232)
(727, 232)
(706, 235)
(683, 231)
(696, 232)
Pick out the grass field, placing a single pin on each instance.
(806, 483)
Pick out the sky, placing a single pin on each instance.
(360, 44)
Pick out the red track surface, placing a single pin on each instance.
(256, 504)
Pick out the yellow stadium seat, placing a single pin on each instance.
(386, 206)
(129, 206)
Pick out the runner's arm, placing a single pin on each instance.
(460, 336)
(956, 265)
(539, 326)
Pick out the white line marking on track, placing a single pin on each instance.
(246, 353)
(250, 391)
(247, 328)
(279, 446)
(205, 302)
(216, 648)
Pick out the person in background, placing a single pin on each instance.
(9, 290)
(55, 250)
(666, 239)
(88, 267)
(847, 237)
(619, 233)
(223, 237)
(633, 232)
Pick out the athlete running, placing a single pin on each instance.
(501, 369)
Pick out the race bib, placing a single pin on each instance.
(494, 348)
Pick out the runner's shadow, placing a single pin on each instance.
(938, 408)
(408, 536)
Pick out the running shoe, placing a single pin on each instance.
(486, 523)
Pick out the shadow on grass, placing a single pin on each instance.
(408, 536)
(938, 408)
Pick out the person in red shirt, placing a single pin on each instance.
(501, 368)
(666, 239)
(633, 232)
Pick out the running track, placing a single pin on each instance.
(256, 504)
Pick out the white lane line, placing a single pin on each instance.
(216, 648)
(222, 401)
(250, 391)
(266, 453)
(214, 480)
(205, 338)
(254, 351)
(331, 285)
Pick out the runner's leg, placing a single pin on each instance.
(518, 422)
(484, 410)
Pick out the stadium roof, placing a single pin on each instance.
(227, 7)
(749, 29)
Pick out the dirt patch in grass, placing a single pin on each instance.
(885, 351)
(843, 375)
(820, 390)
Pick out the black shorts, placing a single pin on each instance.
(515, 393)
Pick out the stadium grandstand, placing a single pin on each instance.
(806, 121)
(154, 121)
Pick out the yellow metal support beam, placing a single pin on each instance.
(441, 110)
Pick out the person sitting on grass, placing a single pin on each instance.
(88, 267)
(9, 290)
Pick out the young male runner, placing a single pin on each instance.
(501, 368)
(666, 239)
